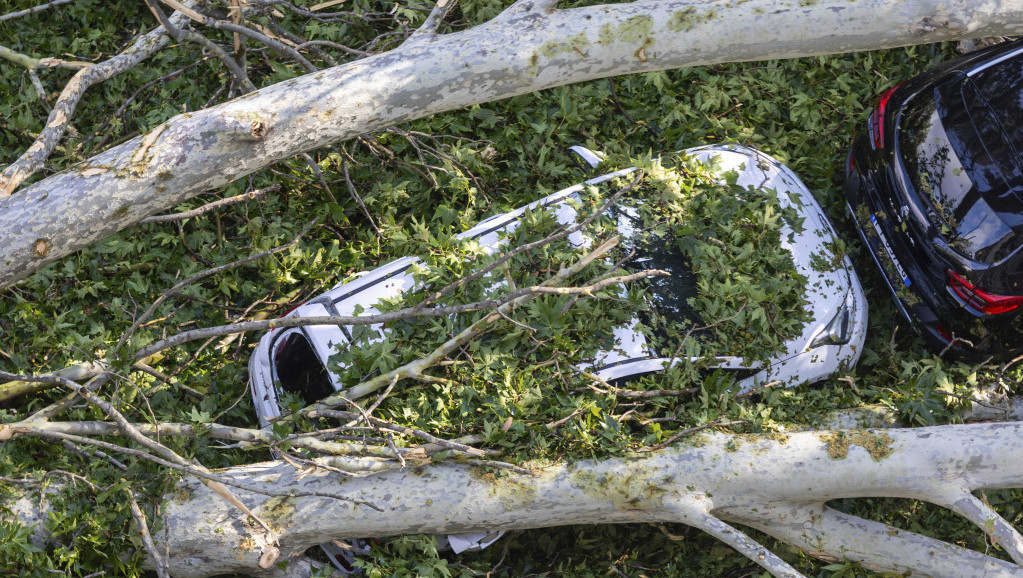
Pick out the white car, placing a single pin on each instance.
(295, 359)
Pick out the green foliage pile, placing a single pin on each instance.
(527, 373)
(421, 183)
(747, 287)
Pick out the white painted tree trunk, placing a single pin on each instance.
(777, 484)
(528, 47)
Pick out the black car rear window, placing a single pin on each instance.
(944, 139)
(1001, 86)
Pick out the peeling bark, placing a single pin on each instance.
(528, 47)
(777, 484)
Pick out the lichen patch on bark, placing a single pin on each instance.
(278, 511)
(687, 18)
(634, 490)
(630, 31)
(877, 444)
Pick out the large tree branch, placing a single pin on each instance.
(528, 48)
(831, 535)
(747, 481)
(712, 482)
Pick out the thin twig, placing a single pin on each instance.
(688, 431)
(274, 45)
(147, 538)
(32, 63)
(33, 10)
(497, 465)
(303, 463)
(393, 448)
(250, 196)
(319, 176)
(566, 419)
(211, 303)
(530, 246)
(67, 401)
(75, 478)
(60, 117)
(358, 200)
(20, 480)
(759, 389)
(516, 323)
(40, 90)
(191, 35)
(380, 398)
(282, 322)
(312, 44)
(99, 454)
(1011, 362)
(312, 441)
(381, 424)
(202, 275)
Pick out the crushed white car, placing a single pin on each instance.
(295, 359)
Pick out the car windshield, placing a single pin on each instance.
(668, 296)
(945, 154)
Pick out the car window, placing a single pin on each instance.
(1001, 86)
(299, 369)
(944, 154)
(668, 297)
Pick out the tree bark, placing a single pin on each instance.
(529, 47)
(778, 484)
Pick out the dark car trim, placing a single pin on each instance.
(874, 255)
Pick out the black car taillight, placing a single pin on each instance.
(876, 123)
(987, 303)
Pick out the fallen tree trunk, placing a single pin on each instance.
(528, 47)
(777, 484)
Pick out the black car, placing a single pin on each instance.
(935, 185)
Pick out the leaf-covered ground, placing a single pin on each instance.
(421, 183)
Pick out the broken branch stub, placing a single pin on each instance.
(527, 48)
